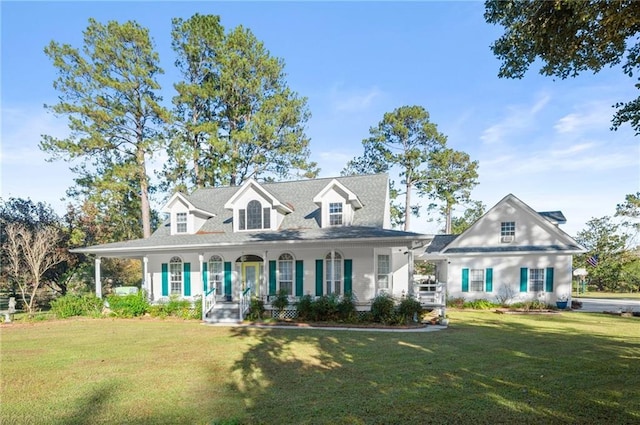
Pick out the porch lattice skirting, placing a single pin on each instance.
(292, 313)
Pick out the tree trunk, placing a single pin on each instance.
(145, 208)
(407, 207)
(447, 227)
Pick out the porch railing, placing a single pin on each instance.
(245, 302)
(208, 301)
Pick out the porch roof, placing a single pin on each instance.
(359, 235)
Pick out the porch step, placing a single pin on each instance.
(224, 312)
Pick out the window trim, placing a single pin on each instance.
(254, 218)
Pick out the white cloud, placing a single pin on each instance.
(589, 116)
(518, 119)
(353, 100)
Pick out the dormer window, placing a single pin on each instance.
(181, 222)
(335, 214)
(507, 231)
(254, 217)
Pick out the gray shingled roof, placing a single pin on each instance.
(554, 216)
(439, 242)
(370, 189)
(302, 225)
(524, 248)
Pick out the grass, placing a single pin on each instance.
(486, 368)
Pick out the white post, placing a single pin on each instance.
(204, 290)
(410, 268)
(145, 276)
(264, 282)
(98, 278)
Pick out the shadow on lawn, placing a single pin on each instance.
(506, 372)
(85, 409)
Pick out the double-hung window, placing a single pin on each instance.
(476, 281)
(216, 273)
(536, 280)
(175, 276)
(335, 214)
(333, 273)
(181, 222)
(507, 231)
(285, 273)
(384, 270)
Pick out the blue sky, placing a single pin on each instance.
(547, 141)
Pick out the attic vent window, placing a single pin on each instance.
(181, 222)
(507, 231)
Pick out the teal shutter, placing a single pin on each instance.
(272, 277)
(489, 280)
(187, 279)
(205, 277)
(299, 278)
(348, 278)
(319, 267)
(165, 279)
(227, 278)
(549, 280)
(524, 277)
(465, 280)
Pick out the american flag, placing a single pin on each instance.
(593, 260)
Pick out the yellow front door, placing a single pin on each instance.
(251, 276)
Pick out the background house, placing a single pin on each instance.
(511, 253)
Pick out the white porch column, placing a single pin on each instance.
(264, 283)
(98, 278)
(410, 267)
(204, 290)
(145, 275)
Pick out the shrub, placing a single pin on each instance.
(305, 307)
(281, 300)
(77, 305)
(129, 305)
(481, 304)
(409, 308)
(455, 302)
(383, 309)
(256, 309)
(346, 308)
(325, 308)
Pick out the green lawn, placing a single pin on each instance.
(486, 368)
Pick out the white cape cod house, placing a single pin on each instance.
(512, 252)
(317, 237)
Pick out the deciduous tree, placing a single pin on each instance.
(605, 245)
(569, 37)
(30, 253)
